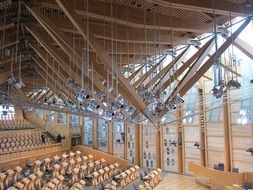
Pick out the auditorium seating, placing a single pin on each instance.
(13, 124)
(151, 179)
(66, 171)
(124, 178)
(20, 140)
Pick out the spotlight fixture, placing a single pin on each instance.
(118, 104)
(54, 100)
(223, 31)
(195, 43)
(170, 105)
(108, 115)
(151, 99)
(82, 95)
(159, 107)
(170, 51)
(77, 86)
(250, 150)
(218, 90)
(11, 80)
(178, 100)
(233, 83)
(70, 83)
(19, 84)
(93, 106)
(130, 110)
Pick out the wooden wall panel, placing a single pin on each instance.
(241, 141)
(149, 146)
(215, 144)
(169, 151)
(192, 153)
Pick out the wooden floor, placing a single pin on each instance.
(178, 182)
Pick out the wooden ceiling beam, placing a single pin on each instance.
(134, 18)
(124, 86)
(192, 70)
(47, 93)
(148, 73)
(102, 31)
(166, 69)
(65, 43)
(183, 68)
(245, 47)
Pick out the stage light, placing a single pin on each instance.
(218, 90)
(178, 100)
(11, 80)
(82, 95)
(232, 83)
(170, 106)
(70, 83)
(19, 84)
(195, 43)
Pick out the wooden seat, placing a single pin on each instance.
(128, 176)
(37, 182)
(9, 174)
(18, 171)
(106, 174)
(101, 175)
(56, 170)
(132, 175)
(56, 182)
(63, 168)
(18, 186)
(51, 186)
(78, 154)
(83, 171)
(64, 157)
(85, 159)
(95, 179)
(60, 185)
(75, 175)
(26, 182)
(37, 165)
(123, 180)
(2, 179)
(90, 157)
(78, 162)
(56, 158)
(31, 185)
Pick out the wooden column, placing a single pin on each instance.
(67, 118)
(180, 142)
(82, 128)
(138, 145)
(158, 148)
(227, 134)
(202, 128)
(95, 133)
(56, 117)
(110, 137)
(125, 142)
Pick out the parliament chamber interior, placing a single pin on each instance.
(126, 94)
